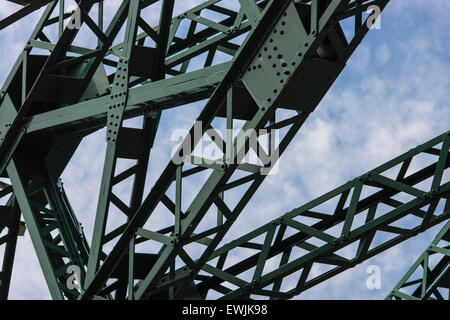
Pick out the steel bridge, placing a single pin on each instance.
(282, 56)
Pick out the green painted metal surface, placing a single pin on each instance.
(55, 99)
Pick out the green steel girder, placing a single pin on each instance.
(305, 59)
(24, 86)
(207, 40)
(336, 229)
(298, 47)
(115, 132)
(39, 40)
(152, 97)
(56, 234)
(432, 280)
(10, 220)
(49, 254)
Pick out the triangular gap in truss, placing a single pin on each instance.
(229, 9)
(258, 240)
(209, 147)
(259, 297)
(120, 35)
(382, 237)
(191, 186)
(316, 242)
(182, 30)
(402, 197)
(247, 275)
(214, 262)
(151, 14)
(198, 26)
(161, 219)
(446, 175)
(434, 258)
(194, 249)
(173, 128)
(4, 183)
(220, 126)
(349, 251)
(146, 246)
(252, 158)
(269, 288)
(271, 264)
(324, 210)
(382, 209)
(321, 211)
(310, 220)
(360, 219)
(424, 185)
(234, 195)
(286, 234)
(3, 232)
(239, 40)
(195, 63)
(148, 42)
(179, 263)
(348, 26)
(203, 273)
(282, 114)
(111, 70)
(237, 255)
(213, 294)
(230, 4)
(183, 6)
(444, 292)
(409, 221)
(123, 190)
(290, 282)
(318, 269)
(123, 164)
(141, 31)
(210, 14)
(334, 230)
(445, 241)
(420, 161)
(54, 233)
(116, 218)
(110, 281)
(135, 122)
(392, 173)
(299, 251)
(208, 222)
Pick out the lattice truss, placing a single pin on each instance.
(259, 65)
(428, 278)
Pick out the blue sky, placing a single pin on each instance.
(392, 96)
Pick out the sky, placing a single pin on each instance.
(392, 96)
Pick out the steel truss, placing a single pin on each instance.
(381, 210)
(432, 280)
(51, 101)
